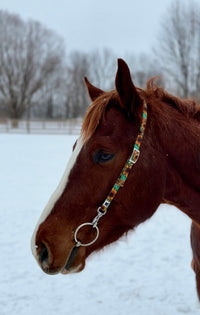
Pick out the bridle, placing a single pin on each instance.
(102, 210)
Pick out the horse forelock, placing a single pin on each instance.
(96, 112)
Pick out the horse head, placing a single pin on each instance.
(109, 132)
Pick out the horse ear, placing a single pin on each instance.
(128, 95)
(92, 90)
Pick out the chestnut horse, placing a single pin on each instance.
(137, 149)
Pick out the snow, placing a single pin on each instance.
(148, 272)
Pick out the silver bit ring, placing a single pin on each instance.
(79, 243)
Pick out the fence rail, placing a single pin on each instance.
(70, 126)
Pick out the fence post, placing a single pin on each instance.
(28, 125)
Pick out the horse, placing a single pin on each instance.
(137, 148)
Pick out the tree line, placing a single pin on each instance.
(39, 79)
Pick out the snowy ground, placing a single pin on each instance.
(147, 273)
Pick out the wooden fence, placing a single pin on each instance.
(70, 126)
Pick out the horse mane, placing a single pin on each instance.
(96, 111)
(188, 107)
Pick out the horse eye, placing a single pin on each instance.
(102, 157)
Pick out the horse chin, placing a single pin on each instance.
(77, 269)
(75, 262)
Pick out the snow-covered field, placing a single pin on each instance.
(147, 273)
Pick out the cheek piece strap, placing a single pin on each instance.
(102, 210)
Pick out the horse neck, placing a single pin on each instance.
(179, 144)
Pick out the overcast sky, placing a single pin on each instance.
(125, 26)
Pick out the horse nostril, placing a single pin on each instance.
(43, 254)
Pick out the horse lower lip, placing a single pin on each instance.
(72, 270)
(65, 271)
(71, 259)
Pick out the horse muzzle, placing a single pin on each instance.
(52, 263)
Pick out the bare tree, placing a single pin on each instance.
(29, 56)
(178, 48)
(98, 66)
(143, 68)
(76, 97)
(102, 68)
(51, 98)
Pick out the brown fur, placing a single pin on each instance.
(168, 170)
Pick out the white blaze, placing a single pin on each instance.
(58, 192)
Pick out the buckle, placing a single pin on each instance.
(134, 156)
